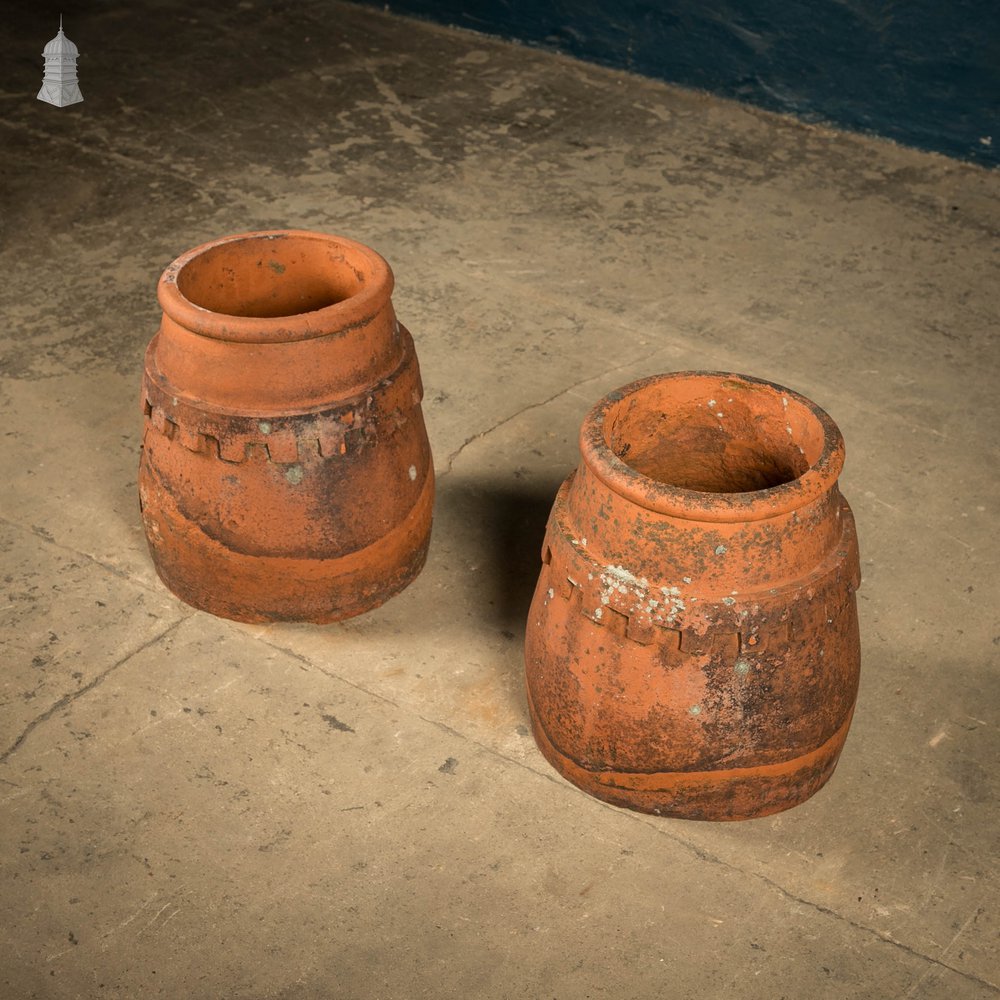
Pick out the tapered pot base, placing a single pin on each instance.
(736, 794)
(209, 576)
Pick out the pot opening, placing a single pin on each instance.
(714, 434)
(270, 276)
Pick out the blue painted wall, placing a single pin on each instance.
(923, 72)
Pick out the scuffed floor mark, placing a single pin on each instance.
(334, 723)
(403, 124)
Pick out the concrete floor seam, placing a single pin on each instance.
(68, 699)
(46, 537)
(101, 152)
(700, 853)
(305, 660)
(535, 406)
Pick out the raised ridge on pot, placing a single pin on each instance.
(279, 286)
(709, 455)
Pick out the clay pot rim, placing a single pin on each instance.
(340, 317)
(677, 501)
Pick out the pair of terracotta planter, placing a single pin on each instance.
(692, 647)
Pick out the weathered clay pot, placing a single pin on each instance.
(692, 647)
(285, 470)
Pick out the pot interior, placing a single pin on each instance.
(714, 434)
(271, 276)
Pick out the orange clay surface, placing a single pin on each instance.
(692, 647)
(285, 471)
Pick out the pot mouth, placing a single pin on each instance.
(275, 286)
(713, 446)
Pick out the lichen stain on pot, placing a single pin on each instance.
(285, 470)
(692, 647)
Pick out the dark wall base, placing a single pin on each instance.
(924, 73)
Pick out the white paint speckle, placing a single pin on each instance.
(686, 579)
(672, 603)
(552, 593)
(711, 402)
(720, 550)
(412, 472)
(622, 575)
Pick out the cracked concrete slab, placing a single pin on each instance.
(71, 477)
(195, 808)
(490, 519)
(230, 789)
(68, 623)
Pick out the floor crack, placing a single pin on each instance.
(699, 852)
(101, 151)
(47, 537)
(534, 406)
(306, 661)
(67, 699)
(703, 855)
(885, 938)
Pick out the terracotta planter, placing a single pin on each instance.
(285, 470)
(692, 647)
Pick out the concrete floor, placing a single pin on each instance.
(179, 816)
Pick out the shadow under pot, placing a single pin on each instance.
(692, 647)
(285, 470)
